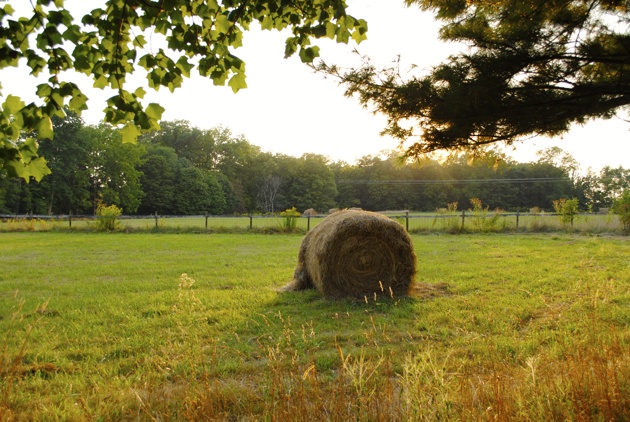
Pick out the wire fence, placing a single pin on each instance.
(455, 221)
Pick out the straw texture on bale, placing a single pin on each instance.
(356, 254)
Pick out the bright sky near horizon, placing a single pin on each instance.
(291, 110)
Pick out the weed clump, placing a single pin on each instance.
(482, 222)
(289, 218)
(108, 217)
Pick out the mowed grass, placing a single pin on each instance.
(503, 327)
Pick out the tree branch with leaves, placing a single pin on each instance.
(109, 43)
(530, 68)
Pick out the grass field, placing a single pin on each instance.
(416, 222)
(99, 326)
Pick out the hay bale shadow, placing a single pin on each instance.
(429, 291)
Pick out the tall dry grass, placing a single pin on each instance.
(583, 380)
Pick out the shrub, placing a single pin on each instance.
(447, 219)
(27, 225)
(481, 220)
(566, 209)
(290, 217)
(621, 207)
(107, 217)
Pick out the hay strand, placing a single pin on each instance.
(356, 254)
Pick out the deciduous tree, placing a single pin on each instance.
(158, 180)
(67, 188)
(612, 183)
(197, 192)
(114, 168)
(269, 193)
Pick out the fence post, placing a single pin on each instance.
(156, 220)
(463, 218)
(517, 215)
(69, 220)
(206, 220)
(407, 221)
(251, 222)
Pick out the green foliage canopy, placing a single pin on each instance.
(113, 166)
(181, 169)
(311, 183)
(621, 207)
(531, 68)
(158, 181)
(165, 38)
(69, 186)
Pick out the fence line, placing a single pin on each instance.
(413, 222)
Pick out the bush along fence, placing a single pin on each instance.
(289, 221)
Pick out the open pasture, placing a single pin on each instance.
(191, 327)
(415, 222)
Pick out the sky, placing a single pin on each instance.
(289, 109)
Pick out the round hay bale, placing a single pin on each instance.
(356, 254)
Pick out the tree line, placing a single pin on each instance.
(184, 170)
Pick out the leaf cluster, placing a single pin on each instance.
(166, 39)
